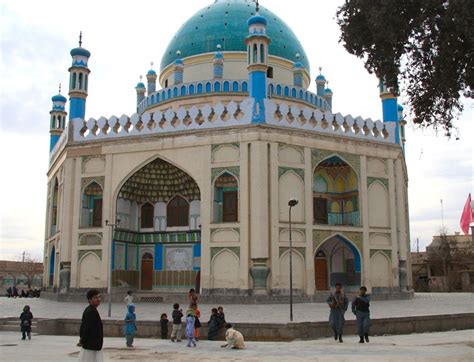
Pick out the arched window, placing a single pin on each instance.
(226, 199)
(191, 89)
(235, 87)
(86, 77)
(217, 87)
(278, 90)
(262, 54)
(54, 208)
(147, 215)
(208, 87)
(199, 88)
(177, 212)
(254, 57)
(244, 87)
(92, 206)
(183, 91)
(248, 53)
(175, 92)
(226, 86)
(80, 81)
(73, 81)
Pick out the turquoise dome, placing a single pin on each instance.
(151, 72)
(140, 85)
(80, 51)
(225, 22)
(59, 98)
(320, 77)
(257, 19)
(327, 90)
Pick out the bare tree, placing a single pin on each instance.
(30, 267)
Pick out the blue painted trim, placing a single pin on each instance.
(354, 251)
(197, 250)
(390, 114)
(77, 108)
(52, 141)
(51, 261)
(258, 90)
(158, 257)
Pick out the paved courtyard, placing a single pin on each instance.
(441, 346)
(421, 304)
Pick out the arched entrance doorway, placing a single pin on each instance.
(159, 207)
(337, 260)
(147, 272)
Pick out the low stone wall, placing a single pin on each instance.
(279, 332)
(79, 295)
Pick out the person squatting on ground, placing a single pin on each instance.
(130, 325)
(338, 304)
(91, 331)
(234, 338)
(26, 319)
(190, 327)
(360, 307)
(164, 326)
(176, 315)
(213, 325)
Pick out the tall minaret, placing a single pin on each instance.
(141, 90)
(78, 83)
(390, 108)
(257, 58)
(298, 72)
(58, 118)
(178, 68)
(320, 83)
(218, 69)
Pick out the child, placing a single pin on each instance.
(164, 326)
(190, 327)
(213, 325)
(360, 307)
(25, 321)
(130, 325)
(177, 315)
(197, 322)
(235, 339)
(129, 298)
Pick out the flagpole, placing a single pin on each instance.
(442, 216)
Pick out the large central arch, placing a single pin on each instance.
(159, 208)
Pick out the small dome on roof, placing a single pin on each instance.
(140, 85)
(80, 51)
(320, 77)
(298, 65)
(151, 72)
(59, 98)
(328, 91)
(257, 19)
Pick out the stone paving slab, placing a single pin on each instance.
(441, 346)
(422, 304)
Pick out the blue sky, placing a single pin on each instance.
(124, 37)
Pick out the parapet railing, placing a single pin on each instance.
(196, 117)
(278, 90)
(193, 89)
(312, 119)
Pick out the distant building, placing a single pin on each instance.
(22, 274)
(446, 266)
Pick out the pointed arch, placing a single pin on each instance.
(147, 215)
(379, 211)
(291, 185)
(299, 268)
(380, 270)
(89, 271)
(177, 211)
(91, 215)
(225, 270)
(225, 197)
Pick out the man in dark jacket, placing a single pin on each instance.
(91, 333)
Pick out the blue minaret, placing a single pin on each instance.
(218, 70)
(141, 90)
(320, 83)
(58, 118)
(178, 68)
(151, 80)
(257, 58)
(390, 108)
(328, 96)
(78, 83)
(298, 72)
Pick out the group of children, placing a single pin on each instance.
(338, 304)
(192, 321)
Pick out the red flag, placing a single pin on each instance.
(467, 216)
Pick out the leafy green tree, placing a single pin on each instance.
(425, 45)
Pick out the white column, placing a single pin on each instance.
(75, 218)
(108, 213)
(274, 219)
(206, 211)
(403, 242)
(364, 204)
(393, 222)
(308, 196)
(244, 216)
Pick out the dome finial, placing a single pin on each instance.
(80, 38)
(257, 6)
(218, 47)
(297, 55)
(59, 88)
(320, 69)
(151, 63)
(178, 53)
(141, 76)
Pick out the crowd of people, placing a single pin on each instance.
(91, 330)
(12, 292)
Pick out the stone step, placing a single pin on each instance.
(16, 328)
(17, 323)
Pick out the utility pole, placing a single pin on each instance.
(418, 245)
(23, 258)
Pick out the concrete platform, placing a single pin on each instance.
(444, 346)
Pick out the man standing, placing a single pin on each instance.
(360, 307)
(338, 304)
(91, 332)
